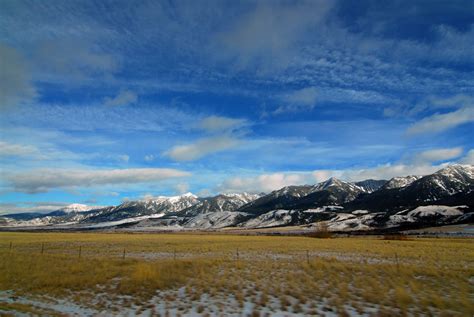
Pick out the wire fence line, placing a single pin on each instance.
(82, 251)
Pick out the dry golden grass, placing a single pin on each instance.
(419, 276)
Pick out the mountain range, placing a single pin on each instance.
(444, 197)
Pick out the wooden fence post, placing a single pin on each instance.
(80, 251)
(42, 247)
(398, 264)
(123, 256)
(307, 256)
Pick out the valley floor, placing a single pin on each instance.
(191, 274)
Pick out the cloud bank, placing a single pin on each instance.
(44, 180)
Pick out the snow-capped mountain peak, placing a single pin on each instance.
(78, 208)
(457, 171)
(333, 181)
(222, 202)
(337, 183)
(173, 199)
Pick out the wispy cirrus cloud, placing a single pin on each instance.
(437, 155)
(299, 100)
(215, 124)
(268, 36)
(16, 84)
(201, 148)
(224, 133)
(440, 122)
(11, 149)
(124, 97)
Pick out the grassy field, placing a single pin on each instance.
(180, 274)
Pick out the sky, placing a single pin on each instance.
(107, 101)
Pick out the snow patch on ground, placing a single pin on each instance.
(360, 212)
(123, 221)
(215, 220)
(350, 222)
(436, 210)
(272, 218)
(324, 209)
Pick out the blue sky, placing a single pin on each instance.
(104, 101)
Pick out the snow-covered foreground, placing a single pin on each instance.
(78, 274)
(178, 303)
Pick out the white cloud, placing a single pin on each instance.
(202, 147)
(43, 180)
(268, 35)
(441, 122)
(40, 207)
(438, 155)
(12, 149)
(73, 60)
(182, 188)
(149, 158)
(269, 182)
(468, 158)
(306, 97)
(123, 158)
(217, 124)
(125, 97)
(40, 152)
(299, 100)
(15, 78)
(205, 192)
(388, 171)
(454, 101)
(433, 102)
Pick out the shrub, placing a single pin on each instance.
(321, 231)
(395, 236)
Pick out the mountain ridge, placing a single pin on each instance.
(361, 205)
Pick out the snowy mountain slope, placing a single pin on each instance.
(331, 192)
(371, 185)
(215, 220)
(446, 182)
(122, 221)
(221, 202)
(419, 217)
(283, 217)
(399, 182)
(277, 199)
(452, 185)
(73, 208)
(427, 215)
(70, 214)
(78, 208)
(161, 204)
